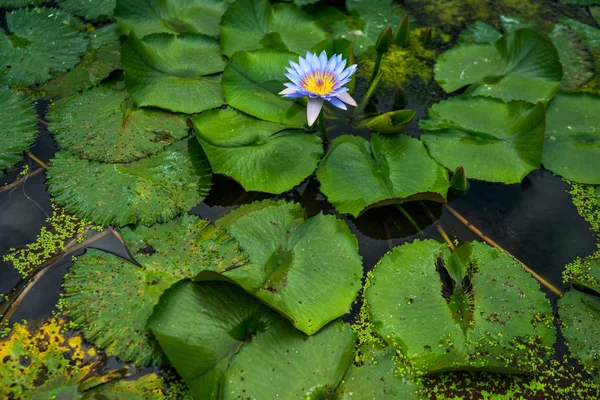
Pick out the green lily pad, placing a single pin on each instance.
(103, 124)
(103, 58)
(18, 126)
(582, 2)
(252, 82)
(283, 363)
(575, 57)
(580, 313)
(201, 326)
(572, 143)
(145, 17)
(143, 192)
(19, 3)
(479, 32)
(375, 15)
(376, 378)
(260, 155)
(495, 141)
(356, 175)
(163, 70)
(475, 308)
(249, 24)
(33, 35)
(110, 299)
(391, 122)
(522, 65)
(589, 35)
(296, 266)
(97, 9)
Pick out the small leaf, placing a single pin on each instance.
(391, 122)
(162, 70)
(493, 140)
(356, 175)
(402, 32)
(143, 192)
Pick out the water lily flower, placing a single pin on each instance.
(320, 79)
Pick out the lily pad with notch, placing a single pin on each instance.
(356, 175)
(296, 265)
(493, 140)
(489, 314)
(103, 124)
(151, 190)
(391, 122)
(521, 65)
(255, 24)
(252, 82)
(162, 70)
(18, 126)
(572, 143)
(145, 17)
(110, 298)
(260, 155)
(202, 326)
(32, 35)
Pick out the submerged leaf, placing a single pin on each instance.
(33, 35)
(493, 140)
(575, 57)
(572, 143)
(283, 363)
(580, 313)
(18, 126)
(260, 155)
(201, 326)
(111, 299)
(291, 257)
(174, 16)
(143, 192)
(250, 25)
(162, 70)
(104, 125)
(487, 313)
(392, 169)
(521, 65)
(252, 82)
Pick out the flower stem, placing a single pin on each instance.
(409, 218)
(376, 67)
(322, 127)
(370, 92)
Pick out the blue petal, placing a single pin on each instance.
(296, 67)
(291, 85)
(294, 78)
(338, 103)
(293, 95)
(322, 60)
(304, 65)
(314, 62)
(331, 64)
(340, 67)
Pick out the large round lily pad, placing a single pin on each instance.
(89, 9)
(143, 192)
(41, 43)
(308, 270)
(18, 126)
(356, 175)
(179, 73)
(110, 299)
(522, 65)
(580, 313)
(283, 363)
(255, 24)
(201, 326)
(252, 82)
(572, 143)
(102, 58)
(475, 308)
(493, 140)
(174, 16)
(103, 124)
(260, 155)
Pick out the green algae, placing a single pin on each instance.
(587, 202)
(52, 239)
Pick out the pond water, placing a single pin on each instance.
(535, 220)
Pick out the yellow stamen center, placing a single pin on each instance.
(319, 83)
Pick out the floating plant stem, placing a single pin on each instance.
(22, 179)
(439, 228)
(323, 128)
(37, 160)
(489, 241)
(409, 218)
